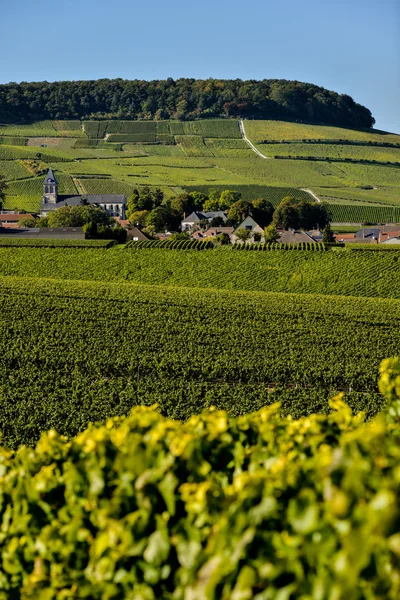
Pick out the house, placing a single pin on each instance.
(45, 233)
(364, 234)
(198, 235)
(316, 235)
(196, 217)
(345, 237)
(113, 204)
(192, 220)
(136, 234)
(386, 236)
(211, 232)
(391, 228)
(392, 240)
(250, 225)
(214, 231)
(293, 236)
(11, 219)
(216, 214)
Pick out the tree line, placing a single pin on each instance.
(180, 99)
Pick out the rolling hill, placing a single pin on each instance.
(345, 167)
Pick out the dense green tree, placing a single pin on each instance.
(28, 221)
(292, 213)
(180, 236)
(262, 211)
(182, 204)
(217, 222)
(163, 218)
(139, 216)
(181, 99)
(222, 239)
(157, 197)
(100, 231)
(211, 204)
(144, 199)
(198, 199)
(327, 235)
(42, 222)
(3, 187)
(286, 214)
(227, 198)
(239, 211)
(77, 216)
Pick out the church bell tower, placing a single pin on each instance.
(50, 188)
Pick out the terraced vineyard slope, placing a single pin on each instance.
(341, 166)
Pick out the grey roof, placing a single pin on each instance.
(136, 232)
(194, 217)
(73, 233)
(91, 199)
(366, 233)
(50, 175)
(247, 222)
(215, 213)
(294, 237)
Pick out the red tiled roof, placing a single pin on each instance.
(14, 217)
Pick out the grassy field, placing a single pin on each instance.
(205, 154)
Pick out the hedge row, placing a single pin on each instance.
(317, 247)
(171, 244)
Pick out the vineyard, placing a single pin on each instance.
(9, 242)
(342, 213)
(338, 271)
(210, 154)
(220, 508)
(258, 131)
(180, 418)
(93, 350)
(249, 192)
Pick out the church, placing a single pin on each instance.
(113, 204)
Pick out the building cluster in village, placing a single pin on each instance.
(199, 225)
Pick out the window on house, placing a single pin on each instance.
(249, 227)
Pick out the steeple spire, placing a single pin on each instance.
(50, 188)
(50, 177)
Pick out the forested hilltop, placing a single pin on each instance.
(181, 99)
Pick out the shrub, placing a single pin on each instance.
(260, 506)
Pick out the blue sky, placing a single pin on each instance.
(349, 46)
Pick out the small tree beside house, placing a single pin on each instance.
(243, 234)
(271, 234)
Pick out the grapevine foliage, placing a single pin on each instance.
(216, 508)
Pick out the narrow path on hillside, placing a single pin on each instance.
(311, 194)
(79, 186)
(246, 139)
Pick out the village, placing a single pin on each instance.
(202, 226)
